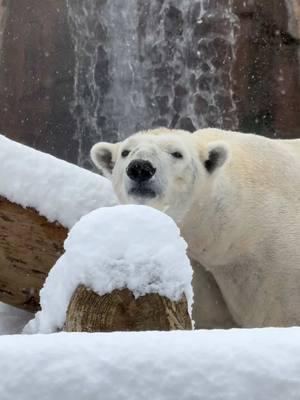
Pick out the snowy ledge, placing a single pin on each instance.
(58, 190)
(208, 365)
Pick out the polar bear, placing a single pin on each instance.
(236, 199)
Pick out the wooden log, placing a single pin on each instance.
(29, 247)
(121, 311)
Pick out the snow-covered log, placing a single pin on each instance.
(134, 262)
(41, 197)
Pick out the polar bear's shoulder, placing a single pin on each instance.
(293, 145)
(248, 141)
(270, 161)
(208, 135)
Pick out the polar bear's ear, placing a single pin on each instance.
(103, 156)
(217, 154)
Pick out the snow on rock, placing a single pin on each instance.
(180, 365)
(134, 247)
(12, 320)
(58, 190)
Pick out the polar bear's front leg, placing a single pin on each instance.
(209, 309)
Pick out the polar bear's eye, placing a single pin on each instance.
(125, 153)
(177, 154)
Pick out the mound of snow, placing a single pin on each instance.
(58, 190)
(210, 365)
(134, 247)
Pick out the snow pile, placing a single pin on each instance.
(179, 365)
(58, 190)
(134, 247)
(12, 320)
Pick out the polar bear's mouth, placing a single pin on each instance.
(142, 191)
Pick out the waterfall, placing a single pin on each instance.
(149, 63)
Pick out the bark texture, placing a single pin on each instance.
(121, 311)
(29, 247)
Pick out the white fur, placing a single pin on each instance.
(241, 220)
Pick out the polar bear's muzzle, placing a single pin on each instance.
(140, 173)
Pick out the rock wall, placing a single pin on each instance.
(267, 68)
(293, 10)
(76, 71)
(37, 76)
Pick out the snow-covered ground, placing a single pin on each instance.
(125, 246)
(258, 364)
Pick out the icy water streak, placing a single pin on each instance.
(149, 63)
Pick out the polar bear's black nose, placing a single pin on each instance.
(140, 170)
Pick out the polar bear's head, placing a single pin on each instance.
(161, 168)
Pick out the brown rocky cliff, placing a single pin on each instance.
(36, 76)
(267, 68)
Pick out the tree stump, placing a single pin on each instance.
(121, 311)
